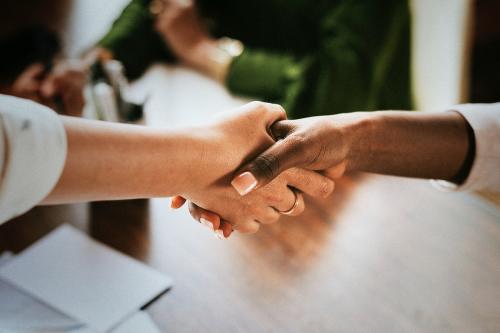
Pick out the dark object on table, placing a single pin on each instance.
(108, 82)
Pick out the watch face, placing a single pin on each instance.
(156, 7)
(233, 47)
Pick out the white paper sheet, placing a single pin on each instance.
(139, 322)
(84, 279)
(5, 256)
(21, 312)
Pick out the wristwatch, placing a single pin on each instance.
(232, 47)
(156, 7)
(222, 56)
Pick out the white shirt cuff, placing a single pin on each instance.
(485, 172)
(34, 139)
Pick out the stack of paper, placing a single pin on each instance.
(67, 282)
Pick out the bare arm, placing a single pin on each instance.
(107, 161)
(411, 144)
(424, 145)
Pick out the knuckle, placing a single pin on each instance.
(266, 217)
(256, 110)
(249, 227)
(278, 108)
(254, 228)
(257, 213)
(274, 218)
(295, 145)
(247, 212)
(295, 174)
(266, 221)
(325, 188)
(257, 105)
(274, 192)
(297, 141)
(263, 108)
(273, 197)
(300, 145)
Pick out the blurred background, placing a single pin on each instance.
(351, 263)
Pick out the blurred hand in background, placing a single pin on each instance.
(64, 85)
(61, 89)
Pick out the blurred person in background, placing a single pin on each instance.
(31, 68)
(312, 57)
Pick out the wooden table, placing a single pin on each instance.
(382, 254)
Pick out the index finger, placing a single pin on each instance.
(270, 113)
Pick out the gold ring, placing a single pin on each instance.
(295, 204)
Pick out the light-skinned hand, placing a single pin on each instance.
(66, 82)
(246, 134)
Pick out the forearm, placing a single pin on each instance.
(422, 145)
(108, 161)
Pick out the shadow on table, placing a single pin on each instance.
(295, 242)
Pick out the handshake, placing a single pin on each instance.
(255, 165)
(249, 166)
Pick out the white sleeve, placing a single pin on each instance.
(32, 154)
(485, 172)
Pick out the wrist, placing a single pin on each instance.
(189, 151)
(199, 55)
(214, 57)
(357, 133)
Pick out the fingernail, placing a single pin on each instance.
(219, 234)
(244, 183)
(207, 223)
(173, 206)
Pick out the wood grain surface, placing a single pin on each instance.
(382, 254)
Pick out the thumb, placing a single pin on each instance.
(283, 155)
(282, 129)
(49, 87)
(34, 71)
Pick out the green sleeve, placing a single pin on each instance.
(269, 76)
(133, 40)
(362, 63)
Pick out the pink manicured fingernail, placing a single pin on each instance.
(207, 223)
(244, 183)
(219, 234)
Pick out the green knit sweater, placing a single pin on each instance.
(313, 57)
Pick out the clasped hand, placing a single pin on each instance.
(233, 141)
